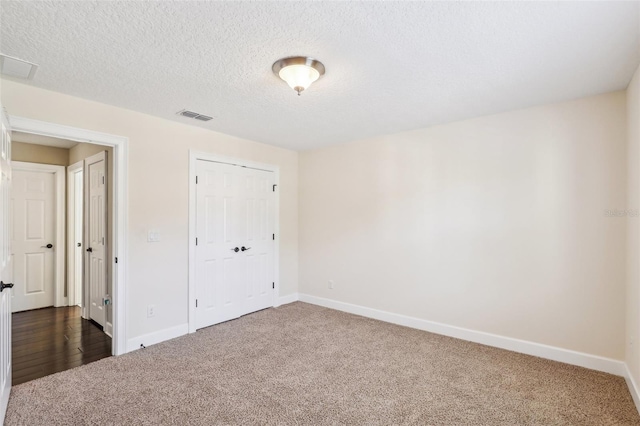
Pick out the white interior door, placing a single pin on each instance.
(255, 238)
(96, 218)
(78, 250)
(234, 251)
(33, 238)
(75, 250)
(5, 265)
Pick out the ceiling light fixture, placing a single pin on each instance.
(298, 71)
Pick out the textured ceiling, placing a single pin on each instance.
(390, 66)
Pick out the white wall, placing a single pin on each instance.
(158, 195)
(633, 237)
(495, 224)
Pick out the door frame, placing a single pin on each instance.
(72, 170)
(194, 156)
(58, 172)
(119, 233)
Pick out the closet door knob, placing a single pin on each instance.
(3, 286)
(245, 248)
(235, 249)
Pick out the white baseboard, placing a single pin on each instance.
(289, 298)
(567, 356)
(633, 387)
(108, 329)
(157, 337)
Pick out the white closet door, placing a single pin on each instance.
(256, 240)
(233, 210)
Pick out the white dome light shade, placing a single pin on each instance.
(299, 72)
(299, 77)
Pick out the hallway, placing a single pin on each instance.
(50, 340)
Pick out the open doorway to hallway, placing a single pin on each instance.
(63, 211)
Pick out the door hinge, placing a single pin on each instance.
(196, 241)
(274, 237)
(196, 303)
(273, 285)
(274, 187)
(116, 260)
(196, 180)
(102, 240)
(103, 180)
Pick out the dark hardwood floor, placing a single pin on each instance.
(50, 340)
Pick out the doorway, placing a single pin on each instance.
(118, 231)
(48, 336)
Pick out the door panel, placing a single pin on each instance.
(33, 225)
(5, 264)
(256, 235)
(233, 210)
(95, 168)
(216, 263)
(78, 249)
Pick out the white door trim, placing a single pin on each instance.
(71, 231)
(121, 216)
(194, 156)
(60, 243)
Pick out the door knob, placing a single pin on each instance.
(79, 244)
(3, 286)
(47, 246)
(245, 248)
(90, 250)
(235, 249)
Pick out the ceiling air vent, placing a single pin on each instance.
(195, 115)
(18, 68)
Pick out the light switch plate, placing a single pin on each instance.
(153, 236)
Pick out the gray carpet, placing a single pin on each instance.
(306, 365)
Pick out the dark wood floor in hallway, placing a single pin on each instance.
(50, 340)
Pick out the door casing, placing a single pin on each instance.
(119, 233)
(60, 211)
(194, 156)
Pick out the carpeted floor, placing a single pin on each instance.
(306, 365)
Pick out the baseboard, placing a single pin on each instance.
(553, 353)
(289, 298)
(157, 337)
(4, 399)
(108, 329)
(633, 387)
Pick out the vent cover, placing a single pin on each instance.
(18, 68)
(195, 115)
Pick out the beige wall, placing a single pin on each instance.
(633, 237)
(32, 153)
(494, 224)
(158, 195)
(86, 150)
